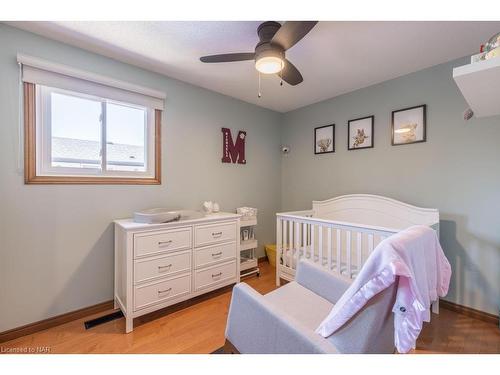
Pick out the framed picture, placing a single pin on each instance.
(409, 125)
(360, 133)
(324, 139)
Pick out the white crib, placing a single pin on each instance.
(340, 233)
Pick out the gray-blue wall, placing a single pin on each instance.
(456, 170)
(56, 242)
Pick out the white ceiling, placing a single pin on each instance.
(334, 58)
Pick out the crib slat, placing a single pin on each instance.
(329, 248)
(312, 242)
(297, 244)
(308, 240)
(304, 239)
(290, 244)
(279, 248)
(370, 243)
(358, 251)
(320, 245)
(285, 243)
(348, 249)
(339, 257)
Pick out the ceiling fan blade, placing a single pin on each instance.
(291, 32)
(291, 74)
(228, 57)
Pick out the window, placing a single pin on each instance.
(80, 134)
(84, 133)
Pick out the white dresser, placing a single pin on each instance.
(158, 265)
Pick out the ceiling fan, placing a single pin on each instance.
(269, 55)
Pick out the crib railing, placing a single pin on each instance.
(337, 246)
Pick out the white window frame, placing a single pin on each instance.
(44, 139)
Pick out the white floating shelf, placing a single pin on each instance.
(248, 244)
(248, 222)
(480, 85)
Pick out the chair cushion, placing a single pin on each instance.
(300, 303)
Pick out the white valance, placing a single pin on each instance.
(50, 74)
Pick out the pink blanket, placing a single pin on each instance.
(424, 274)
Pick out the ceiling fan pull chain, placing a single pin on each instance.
(259, 94)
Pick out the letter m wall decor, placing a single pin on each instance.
(233, 152)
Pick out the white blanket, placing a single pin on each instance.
(424, 274)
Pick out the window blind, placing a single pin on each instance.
(41, 72)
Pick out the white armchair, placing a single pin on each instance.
(284, 320)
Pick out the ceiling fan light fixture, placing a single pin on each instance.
(269, 60)
(269, 64)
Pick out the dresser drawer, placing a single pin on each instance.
(153, 268)
(214, 254)
(160, 242)
(161, 291)
(214, 233)
(214, 275)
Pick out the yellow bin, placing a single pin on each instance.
(271, 254)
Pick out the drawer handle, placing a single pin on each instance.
(217, 234)
(164, 291)
(163, 267)
(216, 275)
(217, 254)
(161, 243)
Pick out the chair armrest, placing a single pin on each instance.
(318, 280)
(256, 326)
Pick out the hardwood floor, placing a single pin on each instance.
(200, 328)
